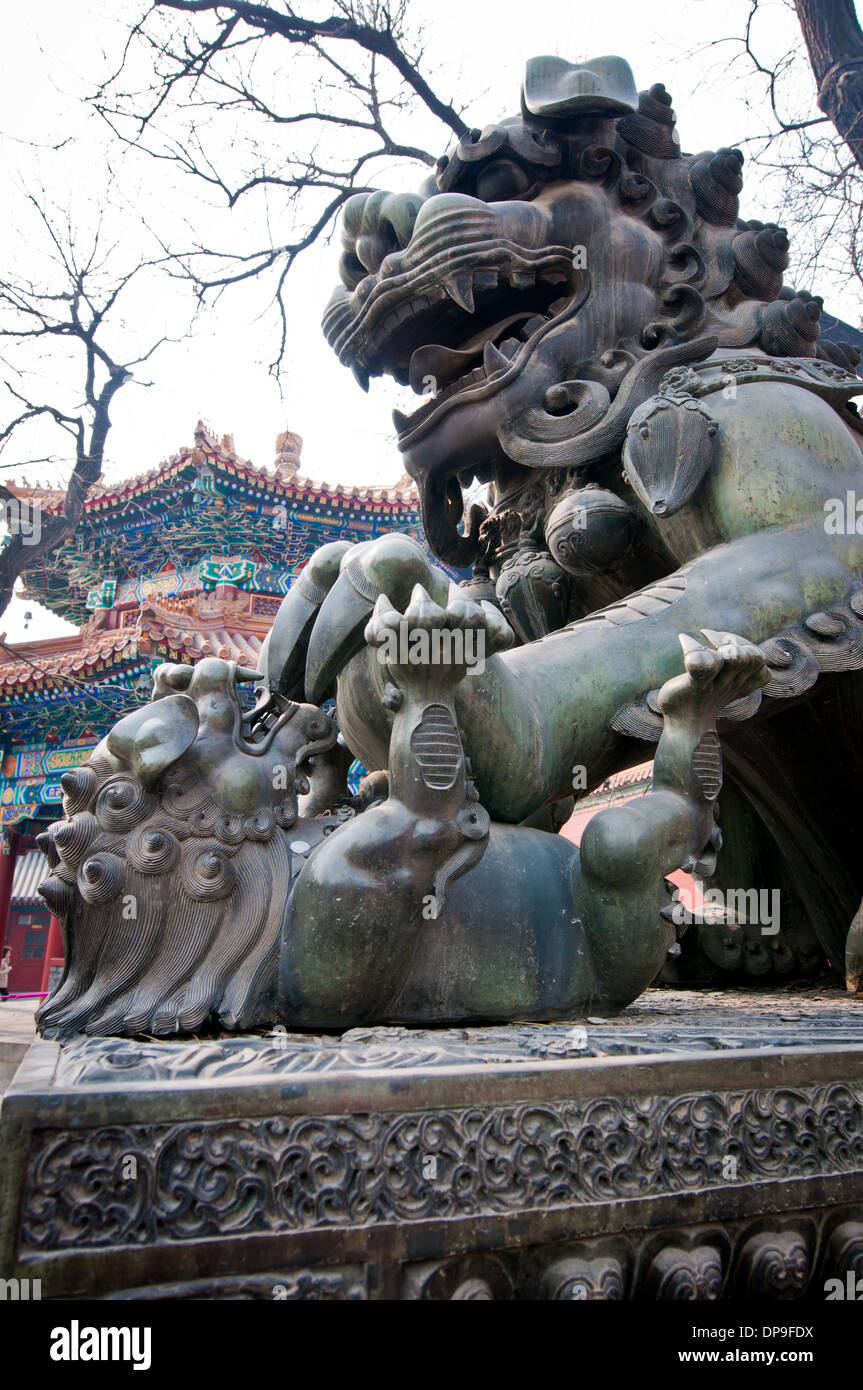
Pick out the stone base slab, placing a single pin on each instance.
(700, 1146)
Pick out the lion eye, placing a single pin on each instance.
(501, 179)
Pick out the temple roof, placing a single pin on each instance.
(29, 665)
(50, 684)
(282, 479)
(191, 559)
(172, 634)
(31, 869)
(204, 517)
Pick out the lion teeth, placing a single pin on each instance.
(460, 288)
(529, 327)
(492, 359)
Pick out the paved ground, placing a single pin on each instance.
(809, 1000)
(17, 1031)
(16, 1019)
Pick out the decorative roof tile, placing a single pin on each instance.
(207, 451)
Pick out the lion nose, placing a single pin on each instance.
(374, 225)
(456, 219)
(438, 214)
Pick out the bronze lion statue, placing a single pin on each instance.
(669, 456)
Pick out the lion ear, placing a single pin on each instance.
(152, 738)
(170, 678)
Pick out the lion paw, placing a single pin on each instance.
(428, 646)
(726, 669)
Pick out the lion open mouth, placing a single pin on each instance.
(451, 325)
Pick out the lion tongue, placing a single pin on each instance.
(433, 366)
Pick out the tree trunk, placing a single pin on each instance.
(835, 43)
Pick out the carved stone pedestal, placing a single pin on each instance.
(700, 1146)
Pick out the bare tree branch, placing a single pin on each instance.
(379, 39)
(219, 107)
(78, 317)
(815, 159)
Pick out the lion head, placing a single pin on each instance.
(557, 264)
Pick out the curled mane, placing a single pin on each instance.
(183, 906)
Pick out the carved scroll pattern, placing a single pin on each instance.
(204, 1179)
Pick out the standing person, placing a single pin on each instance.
(5, 971)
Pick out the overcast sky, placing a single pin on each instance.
(55, 51)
